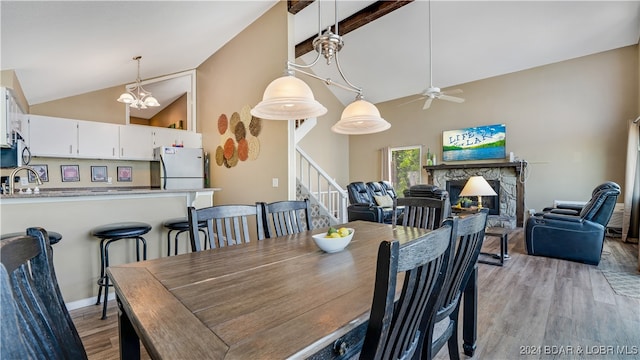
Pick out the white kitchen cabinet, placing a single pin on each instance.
(68, 138)
(11, 117)
(171, 137)
(52, 137)
(136, 142)
(59, 137)
(97, 140)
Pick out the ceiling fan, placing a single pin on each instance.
(433, 92)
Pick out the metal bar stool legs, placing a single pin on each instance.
(181, 225)
(109, 234)
(103, 282)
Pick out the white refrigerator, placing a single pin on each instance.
(177, 168)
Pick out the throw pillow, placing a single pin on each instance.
(383, 200)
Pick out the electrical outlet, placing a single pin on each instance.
(274, 182)
(24, 181)
(532, 212)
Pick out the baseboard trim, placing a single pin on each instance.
(85, 302)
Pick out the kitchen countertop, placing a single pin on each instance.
(114, 191)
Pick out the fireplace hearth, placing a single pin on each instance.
(454, 187)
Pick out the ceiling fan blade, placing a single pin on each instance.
(451, 92)
(451, 98)
(427, 103)
(414, 100)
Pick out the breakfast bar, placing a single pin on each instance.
(74, 212)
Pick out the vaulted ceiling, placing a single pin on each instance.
(65, 48)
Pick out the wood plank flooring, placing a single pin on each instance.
(532, 308)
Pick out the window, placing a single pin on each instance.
(405, 167)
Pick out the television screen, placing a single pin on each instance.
(474, 143)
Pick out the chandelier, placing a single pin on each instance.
(289, 98)
(136, 96)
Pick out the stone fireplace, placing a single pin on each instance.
(508, 209)
(454, 187)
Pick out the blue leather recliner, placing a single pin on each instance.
(575, 236)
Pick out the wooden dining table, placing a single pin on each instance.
(270, 299)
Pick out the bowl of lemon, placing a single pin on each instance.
(334, 240)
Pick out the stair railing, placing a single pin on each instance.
(326, 191)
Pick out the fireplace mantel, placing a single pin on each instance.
(516, 168)
(516, 165)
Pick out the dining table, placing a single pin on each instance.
(275, 298)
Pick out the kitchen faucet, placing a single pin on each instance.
(12, 177)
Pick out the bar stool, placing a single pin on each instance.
(181, 225)
(108, 234)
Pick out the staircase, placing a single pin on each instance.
(328, 200)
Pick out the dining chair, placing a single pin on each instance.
(35, 320)
(286, 217)
(396, 329)
(468, 234)
(422, 212)
(226, 224)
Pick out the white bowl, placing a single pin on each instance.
(332, 245)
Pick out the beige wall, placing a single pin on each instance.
(326, 148)
(100, 105)
(9, 80)
(172, 114)
(232, 78)
(140, 170)
(567, 120)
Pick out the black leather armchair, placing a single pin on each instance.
(573, 237)
(572, 209)
(363, 205)
(431, 191)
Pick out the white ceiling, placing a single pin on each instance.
(65, 48)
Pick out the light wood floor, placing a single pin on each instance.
(527, 305)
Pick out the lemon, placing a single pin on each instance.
(334, 235)
(343, 232)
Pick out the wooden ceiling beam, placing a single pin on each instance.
(295, 6)
(353, 22)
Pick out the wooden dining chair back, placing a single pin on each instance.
(422, 212)
(286, 217)
(396, 329)
(468, 235)
(35, 320)
(226, 224)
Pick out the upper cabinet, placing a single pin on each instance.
(52, 137)
(59, 137)
(11, 117)
(97, 140)
(67, 138)
(136, 142)
(173, 137)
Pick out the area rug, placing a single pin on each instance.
(619, 266)
(625, 283)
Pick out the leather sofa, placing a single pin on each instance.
(576, 236)
(363, 204)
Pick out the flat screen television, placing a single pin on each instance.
(474, 143)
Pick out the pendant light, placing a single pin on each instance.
(289, 98)
(136, 96)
